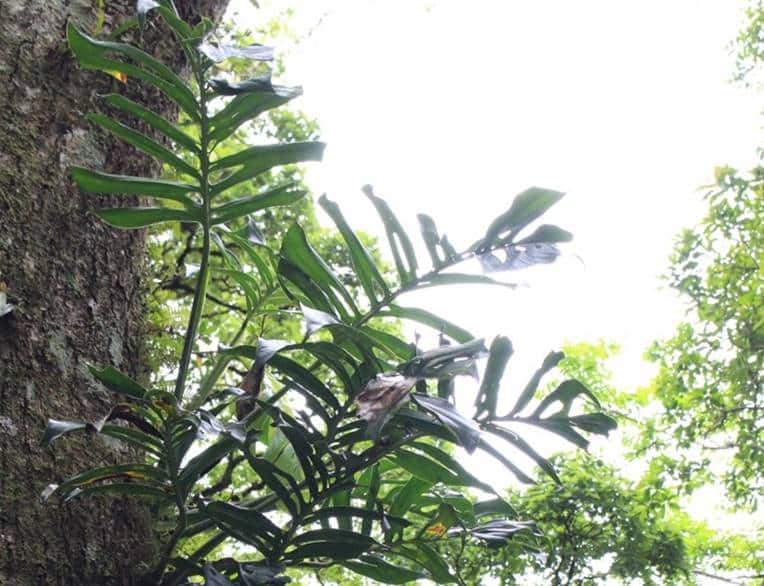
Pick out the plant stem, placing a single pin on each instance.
(202, 279)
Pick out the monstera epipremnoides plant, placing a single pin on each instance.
(345, 435)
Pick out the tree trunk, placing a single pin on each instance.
(76, 288)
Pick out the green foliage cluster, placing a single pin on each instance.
(712, 370)
(336, 446)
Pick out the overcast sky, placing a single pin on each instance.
(453, 107)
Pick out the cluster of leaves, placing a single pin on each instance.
(346, 428)
(710, 379)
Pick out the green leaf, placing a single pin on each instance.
(297, 250)
(91, 54)
(464, 429)
(381, 571)
(365, 268)
(552, 360)
(598, 423)
(205, 461)
(244, 524)
(56, 428)
(432, 241)
(237, 208)
(430, 560)
(152, 119)
(372, 492)
(566, 393)
(120, 472)
(117, 382)
(96, 182)
(142, 217)
(425, 468)
(438, 279)
(144, 144)
(548, 234)
(131, 489)
(449, 462)
(342, 550)
(395, 231)
(429, 319)
(242, 109)
(497, 506)
(407, 496)
(526, 207)
(562, 427)
(261, 158)
(270, 475)
(500, 352)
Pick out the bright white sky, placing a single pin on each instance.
(453, 107)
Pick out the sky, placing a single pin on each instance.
(452, 108)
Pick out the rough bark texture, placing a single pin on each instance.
(76, 287)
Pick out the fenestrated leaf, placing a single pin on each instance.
(526, 207)
(261, 158)
(143, 143)
(566, 393)
(394, 230)
(500, 352)
(365, 268)
(222, 51)
(240, 207)
(432, 240)
(157, 122)
(92, 54)
(552, 359)
(562, 427)
(91, 181)
(548, 234)
(429, 319)
(449, 462)
(117, 382)
(464, 429)
(381, 571)
(446, 360)
(56, 428)
(142, 217)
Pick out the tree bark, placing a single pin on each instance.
(76, 288)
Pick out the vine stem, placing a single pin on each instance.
(201, 283)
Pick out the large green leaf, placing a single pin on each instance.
(245, 524)
(429, 319)
(500, 352)
(519, 474)
(92, 54)
(526, 207)
(395, 234)
(237, 208)
(142, 217)
(465, 429)
(91, 181)
(565, 393)
(425, 468)
(117, 382)
(261, 158)
(552, 360)
(157, 122)
(243, 108)
(297, 250)
(381, 571)
(144, 143)
(514, 439)
(365, 268)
